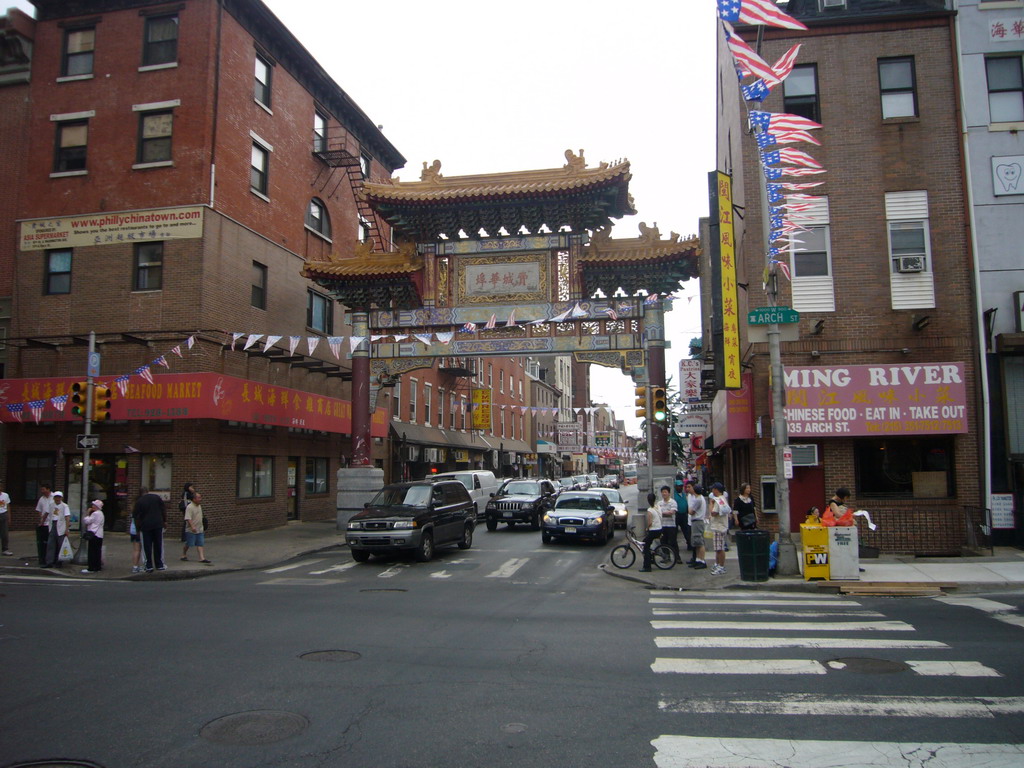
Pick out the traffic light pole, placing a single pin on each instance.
(81, 556)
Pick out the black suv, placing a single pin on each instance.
(520, 501)
(413, 516)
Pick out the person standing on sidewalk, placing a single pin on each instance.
(744, 511)
(697, 509)
(194, 535)
(719, 513)
(60, 523)
(682, 513)
(653, 531)
(150, 517)
(669, 528)
(44, 508)
(94, 536)
(5, 504)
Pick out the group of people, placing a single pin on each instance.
(148, 521)
(836, 513)
(688, 508)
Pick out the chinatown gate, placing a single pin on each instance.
(528, 253)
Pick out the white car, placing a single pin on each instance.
(621, 513)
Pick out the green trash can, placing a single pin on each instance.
(752, 549)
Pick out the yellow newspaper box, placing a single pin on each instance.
(815, 542)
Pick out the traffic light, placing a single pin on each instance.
(641, 402)
(101, 403)
(79, 398)
(659, 403)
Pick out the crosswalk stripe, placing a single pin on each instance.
(952, 669)
(738, 667)
(753, 643)
(702, 751)
(509, 568)
(997, 610)
(790, 626)
(859, 706)
(283, 568)
(765, 612)
(726, 604)
(735, 596)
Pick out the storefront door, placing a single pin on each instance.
(292, 491)
(107, 482)
(806, 490)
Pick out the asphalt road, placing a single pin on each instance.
(509, 654)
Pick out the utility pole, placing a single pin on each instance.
(92, 370)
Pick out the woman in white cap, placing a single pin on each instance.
(94, 536)
(60, 524)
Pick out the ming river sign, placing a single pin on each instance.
(876, 400)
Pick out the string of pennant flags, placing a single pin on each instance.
(790, 208)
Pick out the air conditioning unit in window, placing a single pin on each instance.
(833, 3)
(910, 264)
(805, 455)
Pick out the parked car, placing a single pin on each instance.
(594, 480)
(416, 517)
(610, 481)
(583, 515)
(621, 513)
(480, 483)
(520, 501)
(568, 483)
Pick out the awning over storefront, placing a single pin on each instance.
(424, 435)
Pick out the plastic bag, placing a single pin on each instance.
(67, 552)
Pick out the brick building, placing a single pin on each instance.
(181, 162)
(883, 282)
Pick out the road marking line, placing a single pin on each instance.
(440, 575)
(723, 603)
(293, 582)
(335, 568)
(952, 669)
(283, 568)
(509, 568)
(861, 706)
(790, 626)
(63, 581)
(701, 751)
(739, 595)
(738, 667)
(999, 611)
(706, 641)
(768, 612)
(393, 571)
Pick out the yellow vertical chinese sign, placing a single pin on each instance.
(481, 409)
(730, 301)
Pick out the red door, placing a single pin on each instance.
(806, 490)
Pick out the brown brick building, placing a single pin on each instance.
(882, 283)
(181, 161)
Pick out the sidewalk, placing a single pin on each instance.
(262, 549)
(228, 553)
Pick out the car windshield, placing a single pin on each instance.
(582, 479)
(403, 496)
(613, 496)
(524, 487)
(589, 504)
(466, 478)
(568, 482)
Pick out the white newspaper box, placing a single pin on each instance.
(843, 554)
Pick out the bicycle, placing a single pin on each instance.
(624, 555)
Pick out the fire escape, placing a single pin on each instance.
(355, 167)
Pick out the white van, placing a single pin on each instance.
(480, 483)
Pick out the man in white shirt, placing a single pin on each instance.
(60, 524)
(5, 504)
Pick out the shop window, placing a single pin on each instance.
(38, 470)
(155, 137)
(255, 477)
(79, 47)
(160, 44)
(316, 476)
(904, 468)
(149, 266)
(156, 471)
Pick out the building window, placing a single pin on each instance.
(364, 229)
(259, 167)
(155, 136)
(72, 137)
(428, 394)
(811, 256)
(490, 376)
(413, 384)
(317, 218)
(160, 45)
(261, 84)
(907, 215)
(258, 298)
(1005, 89)
(58, 271)
(800, 92)
(396, 401)
(79, 47)
(904, 467)
(316, 476)
(149, 266)
(319, 132)
(255, 477)
(898, 87)
(364, 164)
(451, 412)
(463, 411)
(156, 471)
(39, 471)
(502, 421)
(319, 312)
(440, 408)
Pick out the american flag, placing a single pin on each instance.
(16, 409)
(511, 322)
(36, 406)
(792, 137)
(798, 157)
(756, 12)
(803, 185)
(756, 91)
(492, 322)
(784, 65)
(747, 59)
(781, 121)
(122, 383)
(468, 328)
(143, 371)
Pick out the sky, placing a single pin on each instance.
(492, 87)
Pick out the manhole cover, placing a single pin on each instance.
(261, 726)
(58, 763)
(869, 666)
(514, 727)
(330, 656)
(384, 590)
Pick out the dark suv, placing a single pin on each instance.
(413, 516)
(520, 501)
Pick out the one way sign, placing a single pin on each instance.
(87, 442)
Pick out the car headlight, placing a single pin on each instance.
(355, 525)
(597, 520)
(550, 519)
(404, 525)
